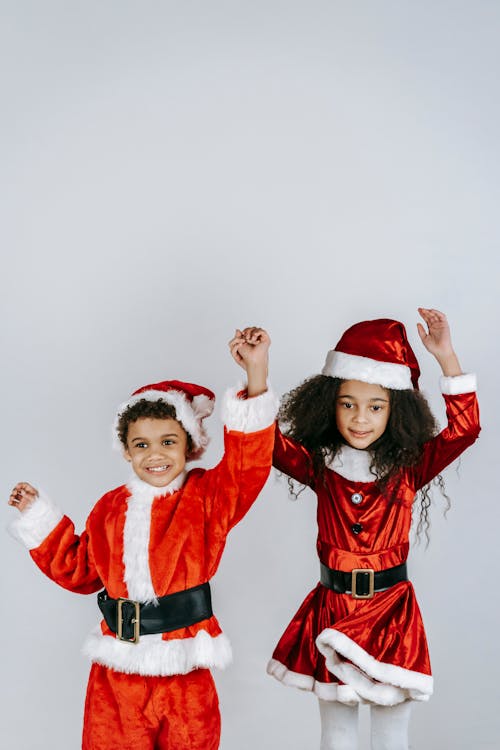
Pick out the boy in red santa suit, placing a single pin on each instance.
(152, 547)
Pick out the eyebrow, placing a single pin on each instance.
(167, 434)
(377, 398)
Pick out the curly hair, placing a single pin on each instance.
(145, 409)
(308, 415)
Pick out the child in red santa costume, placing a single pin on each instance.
(363, 438)
(154, 544)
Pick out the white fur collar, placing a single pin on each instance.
(142, 491)
(352, 464)
(136, 535)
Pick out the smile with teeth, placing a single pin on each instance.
(156, 469)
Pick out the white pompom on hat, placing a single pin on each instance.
(377, 352)
(192, 404)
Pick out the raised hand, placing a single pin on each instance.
(249, 348)
(437, 339)
(22, 496)
(234, 345)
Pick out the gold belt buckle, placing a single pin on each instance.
(136, 621)
(371, 583)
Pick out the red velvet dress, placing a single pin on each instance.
(372, 650)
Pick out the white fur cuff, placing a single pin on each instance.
(35, 524)
(457, 384)
(250, 414)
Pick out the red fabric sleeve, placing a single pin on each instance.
(292, 459)
(66, 559)
(462, 430)
(231, 487)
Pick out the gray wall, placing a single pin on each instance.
(172, 170)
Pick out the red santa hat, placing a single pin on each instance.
(375, 351)
(192, 404)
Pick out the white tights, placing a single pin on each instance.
(339, 726)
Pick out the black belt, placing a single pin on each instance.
(130, 619)
(362, 583)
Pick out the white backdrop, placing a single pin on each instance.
(172, 170)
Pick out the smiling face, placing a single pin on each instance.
(157, 449)
(362, 412)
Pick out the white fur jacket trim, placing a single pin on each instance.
(152, 656)
(36, 522)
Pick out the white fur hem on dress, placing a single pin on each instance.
(36, 522)
(375, 681)
(249, 414)
(324, 690)
(153, 656)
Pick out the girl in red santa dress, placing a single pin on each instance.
(153, 545)
(363, 438)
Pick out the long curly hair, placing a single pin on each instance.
(308, 415)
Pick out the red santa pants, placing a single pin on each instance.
(131, 712)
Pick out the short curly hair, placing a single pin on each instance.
(145, 409)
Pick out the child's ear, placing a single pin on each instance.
(126, 455)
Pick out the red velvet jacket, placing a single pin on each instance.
(140, 542)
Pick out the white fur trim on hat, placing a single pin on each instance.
(189, 414)
(354, 367)
(457, 384)
(375, 681)
(249, 414)
(36, 522)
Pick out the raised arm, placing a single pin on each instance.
(459, 392)
(231, 487)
